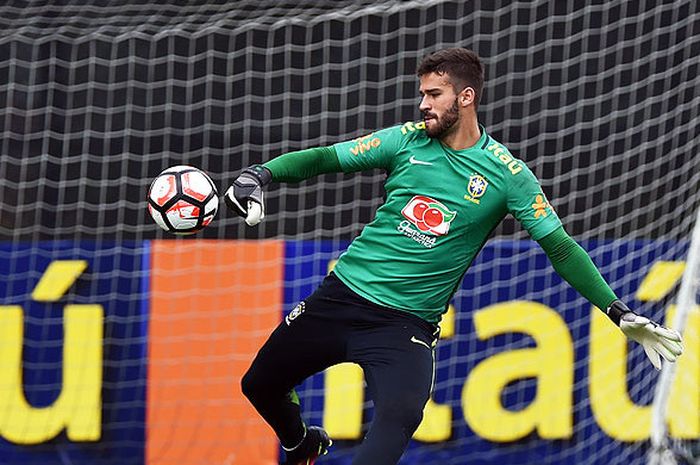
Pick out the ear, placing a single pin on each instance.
(467, 97)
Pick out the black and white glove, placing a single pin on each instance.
(245, 196)
(656, 339)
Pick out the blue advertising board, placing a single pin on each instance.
(526, 370)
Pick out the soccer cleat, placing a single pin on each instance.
(314, 445)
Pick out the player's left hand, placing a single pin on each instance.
(656, 339)
(245, 196)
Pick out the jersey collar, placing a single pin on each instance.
(479, 145)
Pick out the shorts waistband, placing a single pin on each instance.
(340, 291)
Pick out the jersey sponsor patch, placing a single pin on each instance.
(500, 152)
(407, 230)
(428, 215)
(365, 144)
(476, 188)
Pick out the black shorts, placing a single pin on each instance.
(335, 325)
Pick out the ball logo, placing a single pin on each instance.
(428, 215)
(185, 210)
(164, 188)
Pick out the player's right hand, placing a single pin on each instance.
(245, 196)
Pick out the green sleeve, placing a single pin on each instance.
(304, 164)
(375, 150)
(576, 267)
(528, 204)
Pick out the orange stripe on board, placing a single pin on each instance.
(213, 305)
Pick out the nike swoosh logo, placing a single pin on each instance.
(418, 341)
(413, 161)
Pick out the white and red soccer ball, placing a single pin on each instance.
(182, 200)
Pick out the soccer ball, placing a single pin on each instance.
(182, 200)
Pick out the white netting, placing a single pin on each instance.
(97, 97)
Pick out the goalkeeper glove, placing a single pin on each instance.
(656, 339)
(245, 196)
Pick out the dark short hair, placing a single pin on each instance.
(462, 66)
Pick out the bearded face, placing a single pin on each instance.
(441, 125)
(439, 105)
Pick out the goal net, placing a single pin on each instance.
(122, 344)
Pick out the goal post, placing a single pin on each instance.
(664, 449)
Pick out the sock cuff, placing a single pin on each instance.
(302, 440)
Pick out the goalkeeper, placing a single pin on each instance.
(449, 185)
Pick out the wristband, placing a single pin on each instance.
(615, 311)
(259, 172)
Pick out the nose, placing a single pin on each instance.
(424, 105)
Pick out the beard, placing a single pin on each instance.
(444, 124)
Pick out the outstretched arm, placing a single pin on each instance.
(375, 150)
(573, 264)
(304, 164)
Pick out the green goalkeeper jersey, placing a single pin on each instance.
(441, 206)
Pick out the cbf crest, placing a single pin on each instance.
(294, 314)
(476, 188)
